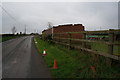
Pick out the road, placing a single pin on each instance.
(20, 59)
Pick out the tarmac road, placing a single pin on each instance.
(20, 59)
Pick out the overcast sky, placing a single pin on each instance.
(36, 15)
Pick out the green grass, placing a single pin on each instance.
(5, 38)
(73, 64)
(8, 38)
(104, 48)
(0, 39)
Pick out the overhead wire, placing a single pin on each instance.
(9, 14)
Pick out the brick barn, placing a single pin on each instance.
(64, 28)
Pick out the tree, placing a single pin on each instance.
(14, 30)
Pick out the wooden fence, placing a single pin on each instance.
(68, 41)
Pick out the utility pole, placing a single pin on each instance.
(25, 29)
(100, 27)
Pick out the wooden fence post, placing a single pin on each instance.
(59, 37)
(110, 46)
(69, 40)
(84, 43)
(52, 38)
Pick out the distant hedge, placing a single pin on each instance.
(7, 35)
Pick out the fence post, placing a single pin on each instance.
(59, 37)
(84, 43)
(69, 40)
(110, 46)
(52, 37)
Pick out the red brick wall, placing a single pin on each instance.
(67, 28)
(48, 31)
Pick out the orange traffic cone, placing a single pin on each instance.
(54, 65)
(93, 69)
(44, 52)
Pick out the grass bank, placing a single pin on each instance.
(104, 48)
(8, 38)
(0, 38)
(73, 64)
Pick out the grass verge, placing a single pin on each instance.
(73, 64)
(7, 38)
(104, 48)
(0, 38)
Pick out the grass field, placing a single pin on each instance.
(8, 38)
(5, 38)
(0, 38)
(73, 64)
(104, 48)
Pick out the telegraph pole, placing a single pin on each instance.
(100, 27)
(25, 29)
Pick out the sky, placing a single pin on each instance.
(36, 15)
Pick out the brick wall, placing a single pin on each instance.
(66, 28)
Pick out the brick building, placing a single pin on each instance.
(65, 28)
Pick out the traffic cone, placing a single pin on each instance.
(93, 69)
(44, 52)
(54, 65)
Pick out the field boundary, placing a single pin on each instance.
(57, 38)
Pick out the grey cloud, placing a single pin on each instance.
(119, 14)
(92, 15)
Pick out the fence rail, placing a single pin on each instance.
(89, 32)
(82, 40)
(57, 38)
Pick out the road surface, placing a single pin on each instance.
(20, 59)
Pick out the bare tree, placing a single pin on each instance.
(14, 30)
